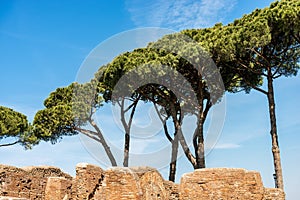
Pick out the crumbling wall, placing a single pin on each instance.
(29, 182)
(272, 193)
(88, 181)
(221, 184)
(58, 188)
(139, 183)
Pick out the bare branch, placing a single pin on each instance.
(259, 54)
(132, 112)
(103, 142)
(10, 144)
(90, 134)
(164, 122)
(207, 107)
(248, 68)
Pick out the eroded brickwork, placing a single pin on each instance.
(29, 182)
(58, 188)
(139, 183)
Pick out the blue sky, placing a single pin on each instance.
(44, 43)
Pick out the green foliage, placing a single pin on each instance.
(263, 43)
(66, 109)
(15, 125)
(266, 38)
(12, 123)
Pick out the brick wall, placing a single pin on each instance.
(140, 183)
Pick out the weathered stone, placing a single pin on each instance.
(87, 182)
(222, 183)
(139, 183)
(151, 183)
(58, 188)
(29, 182)
(121, 184)
(172, 189)
(273, 194)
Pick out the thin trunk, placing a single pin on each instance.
(174, 145)
(127, 127)
(172, 172)
(103, 142)
(200, 156)
(185, 147)
(198, 137)
(275, 146)
(183, 143)
(174, 142)
(127, 137)
(126, 150)
(164, 122)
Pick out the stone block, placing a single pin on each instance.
(29, 182)
(151, 183)
(274, 194)
(58, 188)
(88, 181)
(172, 189)
(221, 183)
(121, 183)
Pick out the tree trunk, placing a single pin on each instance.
(200, 157)
(275, 146)
(126, 149)
(104, 144)
(127, 135)
(127, 127)
(182, 140)
(173, 163)
(186, 148)
(198, 139)
(174, 142)
(172, 172)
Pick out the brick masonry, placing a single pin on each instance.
(139, 183)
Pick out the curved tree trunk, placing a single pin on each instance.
(174, 142)
(185, 147)
(275, 145)
(104, 144)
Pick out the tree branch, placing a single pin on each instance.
(164, 122)
(10, 144)
(260, 90)
(186, 148)
(103, 142)
(89, 134)
(207, 107)
(133, 111)
(248, 68)
(256, 88)
(259, 54)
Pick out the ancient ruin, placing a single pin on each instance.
(141, 183)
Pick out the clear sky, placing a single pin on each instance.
(43, 44)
